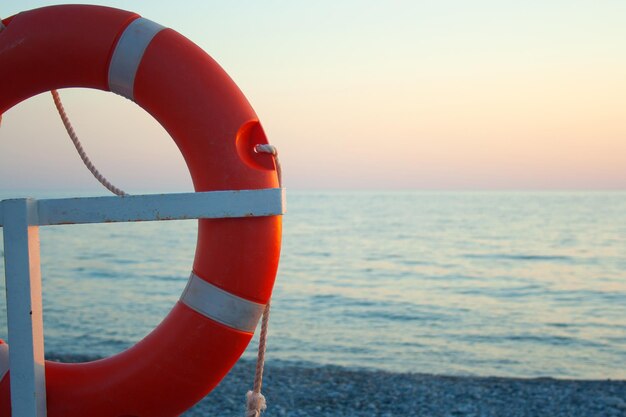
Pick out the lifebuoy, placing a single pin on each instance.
(216, 130)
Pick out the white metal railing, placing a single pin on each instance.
(21, 218)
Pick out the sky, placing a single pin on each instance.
(450, 95)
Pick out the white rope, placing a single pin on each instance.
(255, 401)
(79, 147)
(271, 149)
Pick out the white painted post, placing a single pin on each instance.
(24, 308)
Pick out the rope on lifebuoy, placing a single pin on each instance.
(255, 401)
(272, 150)
(79, 147)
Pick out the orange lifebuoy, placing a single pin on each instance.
(216, 130)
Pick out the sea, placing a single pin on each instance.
(514, 284)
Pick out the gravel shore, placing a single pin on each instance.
(308, 390)
(305, 390)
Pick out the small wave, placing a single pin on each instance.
(386, 315)
(122, 261)
(71, 357)
(560, 325)
(455, 277)
(317, 254)
(167, 278)
(540, 339)
(413, 262)
(103, 274)
(521, 291)
(519, 257)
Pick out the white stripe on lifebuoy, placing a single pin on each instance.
(221, 306)
(128, 53)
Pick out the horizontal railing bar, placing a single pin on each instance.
(134, 208)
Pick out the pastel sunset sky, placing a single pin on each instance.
(369, 95)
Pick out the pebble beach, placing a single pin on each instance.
(304, 390)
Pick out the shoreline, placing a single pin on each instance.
(327, 390)
(310, 390)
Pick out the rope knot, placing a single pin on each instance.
(255, 404)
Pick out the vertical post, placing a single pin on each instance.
(24, 308)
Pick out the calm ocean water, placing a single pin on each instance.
(496, 283)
